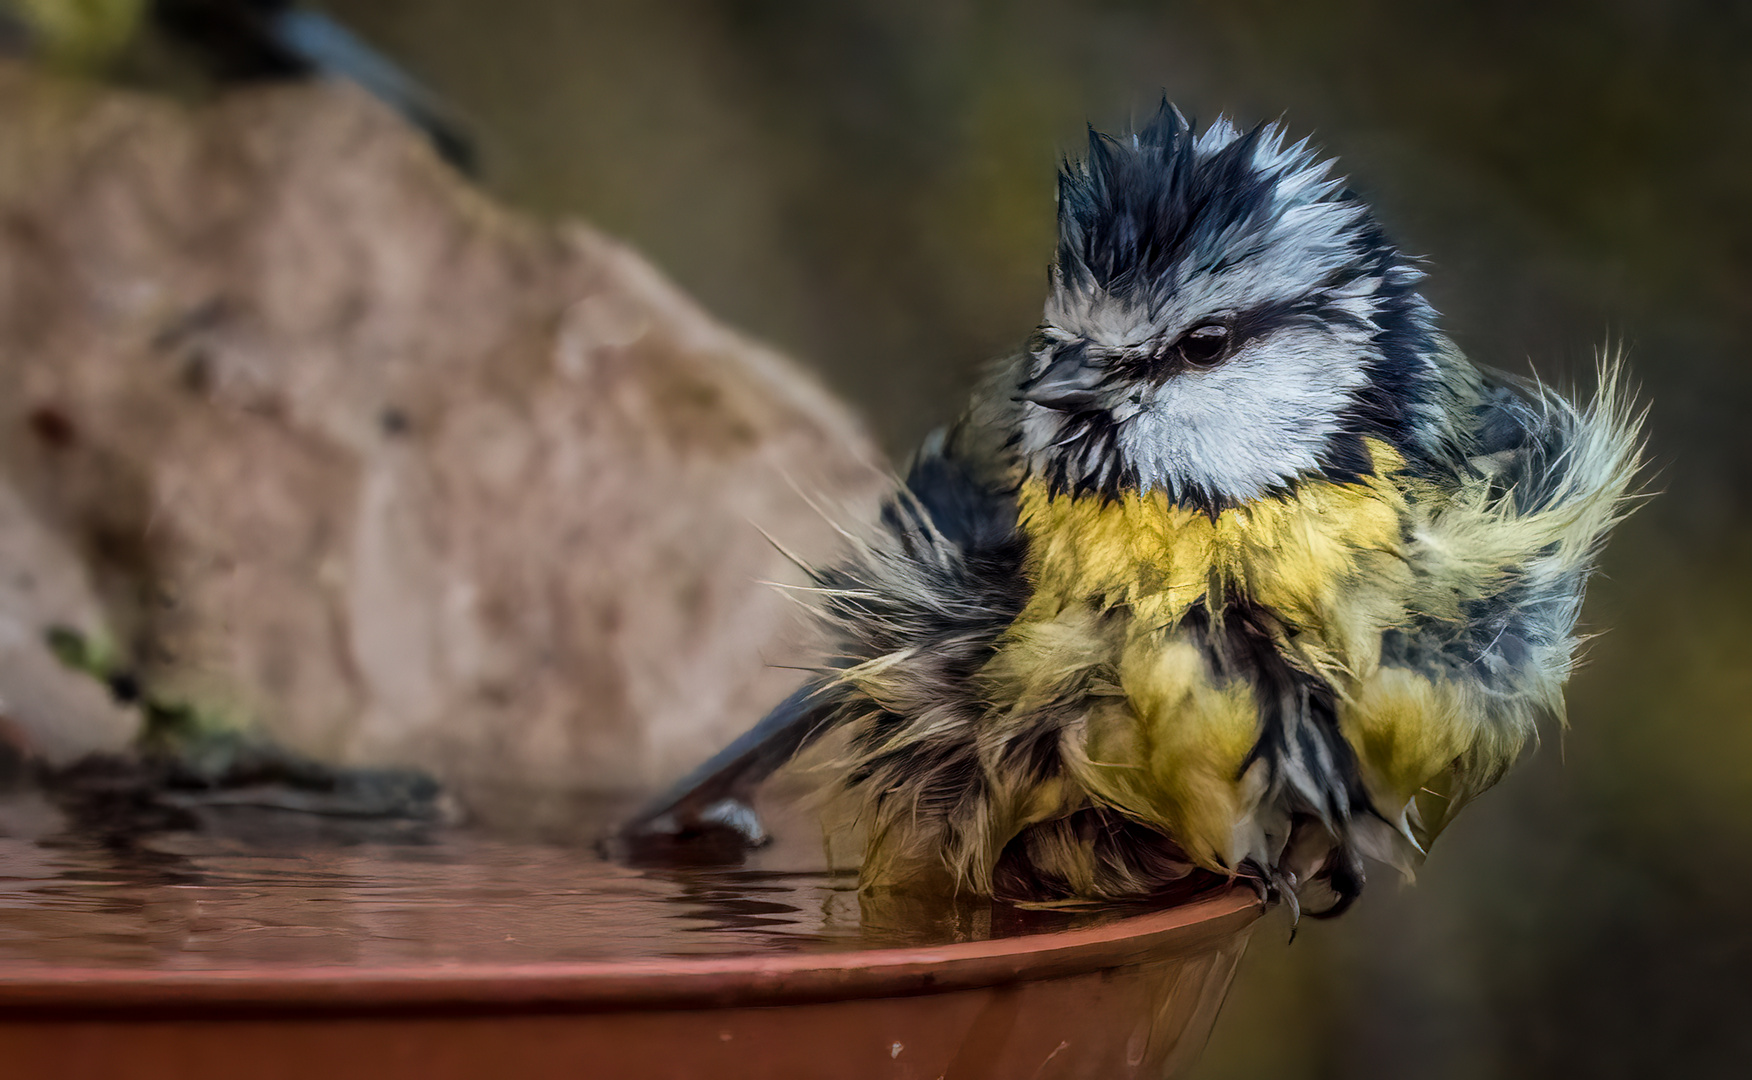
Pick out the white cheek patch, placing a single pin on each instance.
(1252, 424)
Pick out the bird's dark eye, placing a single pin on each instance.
(1206, 345)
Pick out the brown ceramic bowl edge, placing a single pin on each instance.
(671, 983)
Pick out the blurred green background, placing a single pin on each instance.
(869, 184)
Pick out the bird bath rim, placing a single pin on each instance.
(672, 982)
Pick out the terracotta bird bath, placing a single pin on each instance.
(443, 955)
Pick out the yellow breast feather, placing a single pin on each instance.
(1113, 580)
(1337, 566)
(1328, 558)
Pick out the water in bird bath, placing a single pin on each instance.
(252, 887)
(360, 949)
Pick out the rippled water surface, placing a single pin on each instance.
(253, 887)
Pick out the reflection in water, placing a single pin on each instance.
(259, 887)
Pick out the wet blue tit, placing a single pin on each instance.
(1238, 569)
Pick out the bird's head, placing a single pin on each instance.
(1226, 319)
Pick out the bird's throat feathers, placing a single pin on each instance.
(1302, 555)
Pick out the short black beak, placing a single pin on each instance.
(1069, 383)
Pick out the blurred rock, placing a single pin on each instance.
(330, 444)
